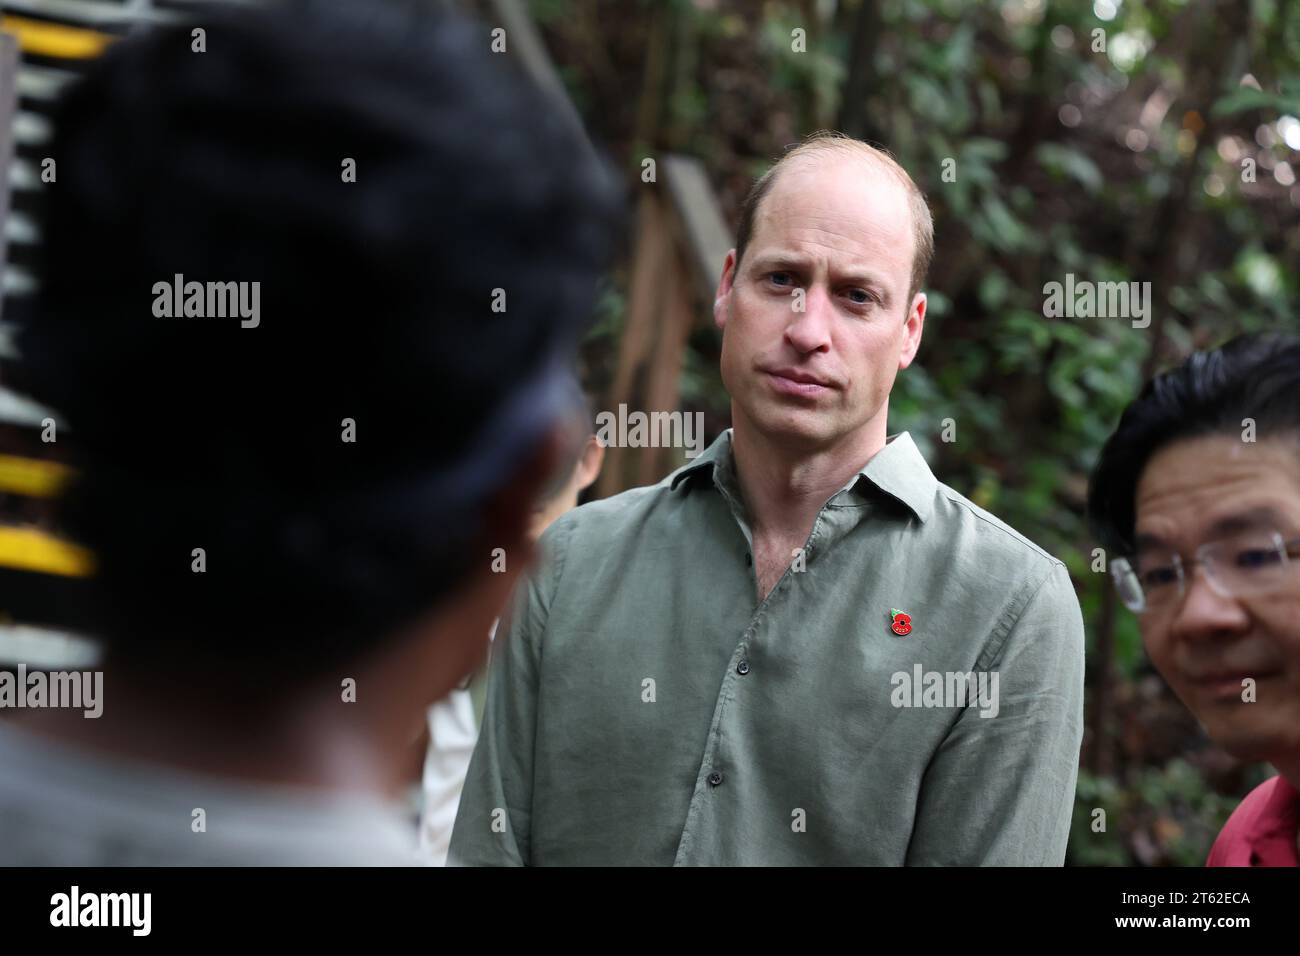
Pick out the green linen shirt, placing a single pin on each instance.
(644, 708)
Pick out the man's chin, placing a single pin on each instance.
(796, 427)
(1247, 739)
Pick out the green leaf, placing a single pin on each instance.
(1248, 98)
(1065, 161)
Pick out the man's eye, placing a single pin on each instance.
(860, 296)
(1158, 576)
(1252, 559)
(780, 278)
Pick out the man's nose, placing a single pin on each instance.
(809, 328)
(1204, 613)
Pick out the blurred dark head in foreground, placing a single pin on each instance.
(1197, 497)
(348, 460)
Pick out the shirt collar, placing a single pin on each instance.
(718, 451)
(1274, 834)
(897, 469)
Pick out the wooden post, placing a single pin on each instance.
(702, 232)
(677, 315)
(681, 243)
(652, 259)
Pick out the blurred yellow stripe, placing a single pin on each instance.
(32, 477)
(27, 549)
(55, 39)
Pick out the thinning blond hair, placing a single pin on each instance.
(826, 141)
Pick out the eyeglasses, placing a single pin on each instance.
(1240, 566)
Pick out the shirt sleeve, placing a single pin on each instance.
(1000, 789)
(493, 822)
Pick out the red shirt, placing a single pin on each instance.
(1262, 830)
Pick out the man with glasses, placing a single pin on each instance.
(1199, 490)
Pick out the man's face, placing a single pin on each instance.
(1219, 488)
(816, 319)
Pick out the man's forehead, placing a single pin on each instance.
(835, 178)
(1190, 463)
(839, 196)
(1216, 484)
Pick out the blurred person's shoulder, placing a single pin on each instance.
(64, 806)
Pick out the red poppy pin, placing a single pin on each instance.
(902, 622)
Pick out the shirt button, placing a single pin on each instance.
(715, 778)
(743, 667)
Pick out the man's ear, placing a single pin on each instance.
(912, 327)
(723, 297)
(590, 463)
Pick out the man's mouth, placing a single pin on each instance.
(1224, 684)
(790, 381)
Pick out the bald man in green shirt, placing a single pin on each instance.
(801, 648)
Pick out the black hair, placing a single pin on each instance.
(1253, 376)
(379, 305)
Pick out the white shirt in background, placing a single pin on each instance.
(453, 732)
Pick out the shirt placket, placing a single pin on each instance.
(711, 778)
